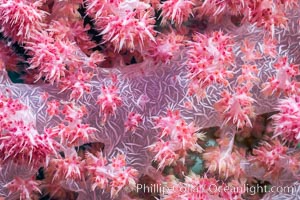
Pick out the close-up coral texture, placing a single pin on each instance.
(149, 99)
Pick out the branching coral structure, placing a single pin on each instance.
(132, 99)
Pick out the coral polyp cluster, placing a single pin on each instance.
(123, 24)
(182, 137)
(148, 99)
(210, 59)
(285, 121)
(20, 141)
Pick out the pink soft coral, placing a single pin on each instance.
(133, 121)
(123, 23)
(251, 54)
(284, 81)
(26, 187)
(69, 168)
(204, 188)
(209, 61)
(71, 131)
(66, 48)
(225, 159)
(268, 14)
(195, 187)
(269, 47)
(180, 137)
(51, 58)
(20, 141)
(287, 120)
(274, 158)
(109, 101)
(166, 47)
(236, 108)
(176, 11)
(217, 9)
(21, 19)
(115, 175)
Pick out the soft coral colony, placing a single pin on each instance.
(112, 93)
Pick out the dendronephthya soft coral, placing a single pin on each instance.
(92, 123)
